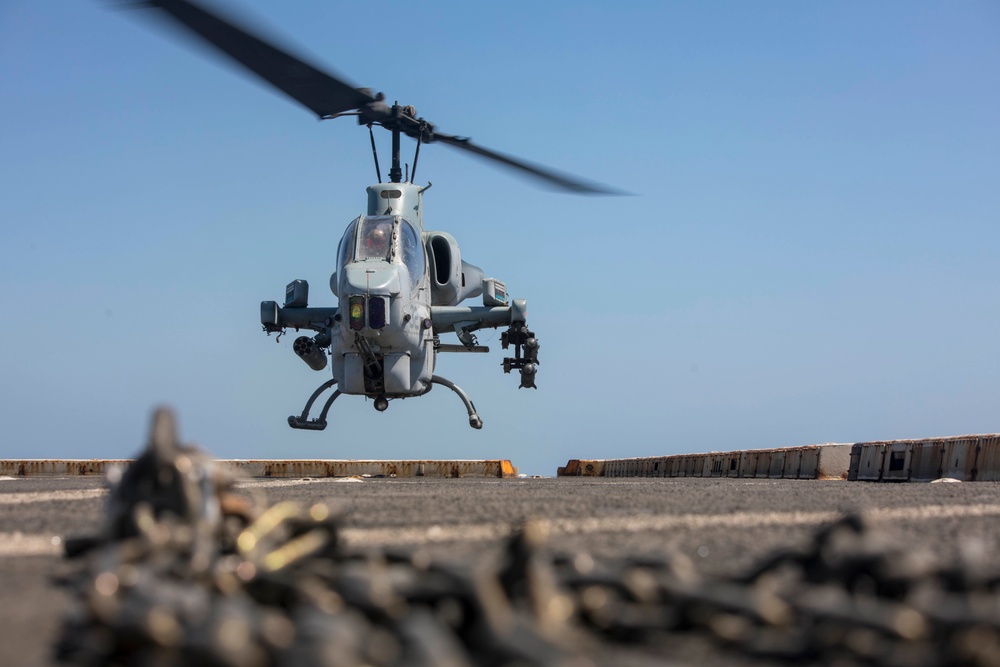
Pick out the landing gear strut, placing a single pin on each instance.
(474, 420)
(381, 403)
(303, 422)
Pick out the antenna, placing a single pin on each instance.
(378, 172)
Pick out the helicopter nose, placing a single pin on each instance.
(368, 289)
(371, 278)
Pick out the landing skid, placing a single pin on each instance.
(303, 422)
(474, 420)
(318, 424)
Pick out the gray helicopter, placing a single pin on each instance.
(399, 287)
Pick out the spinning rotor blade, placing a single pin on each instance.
(550, 176)
(317, 91)
(327, 96)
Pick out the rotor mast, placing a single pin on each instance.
(395, 172)
(397, 197)
(393, 118)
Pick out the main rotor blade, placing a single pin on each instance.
(550, 176)
(326, 95)
(316, 90)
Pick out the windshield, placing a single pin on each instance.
(346, 248)
(384, 237)
(375, 238)
(412, 252)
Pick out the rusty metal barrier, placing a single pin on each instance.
(501, 468)
(968, 458)
(828, 461)
(961, 457)
(582, 468)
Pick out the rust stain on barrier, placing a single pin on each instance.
(582, 468)
(58, 467)
(501, 468)
(428, 468)
(988, 461)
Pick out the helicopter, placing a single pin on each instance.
(399, 287)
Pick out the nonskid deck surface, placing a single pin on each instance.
(722, 527)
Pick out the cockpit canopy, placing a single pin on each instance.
(389, 238)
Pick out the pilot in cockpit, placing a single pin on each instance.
(377, 240)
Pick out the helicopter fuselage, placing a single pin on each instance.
(398, 289)
(381, 343)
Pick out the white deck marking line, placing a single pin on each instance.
(270, 483)
(653, 523)
(50, 496)
(424, 534)
(86, 494)
(609, 524)
(19, 544)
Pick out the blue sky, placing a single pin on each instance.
(810, 254)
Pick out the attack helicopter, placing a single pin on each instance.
(399, 287)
